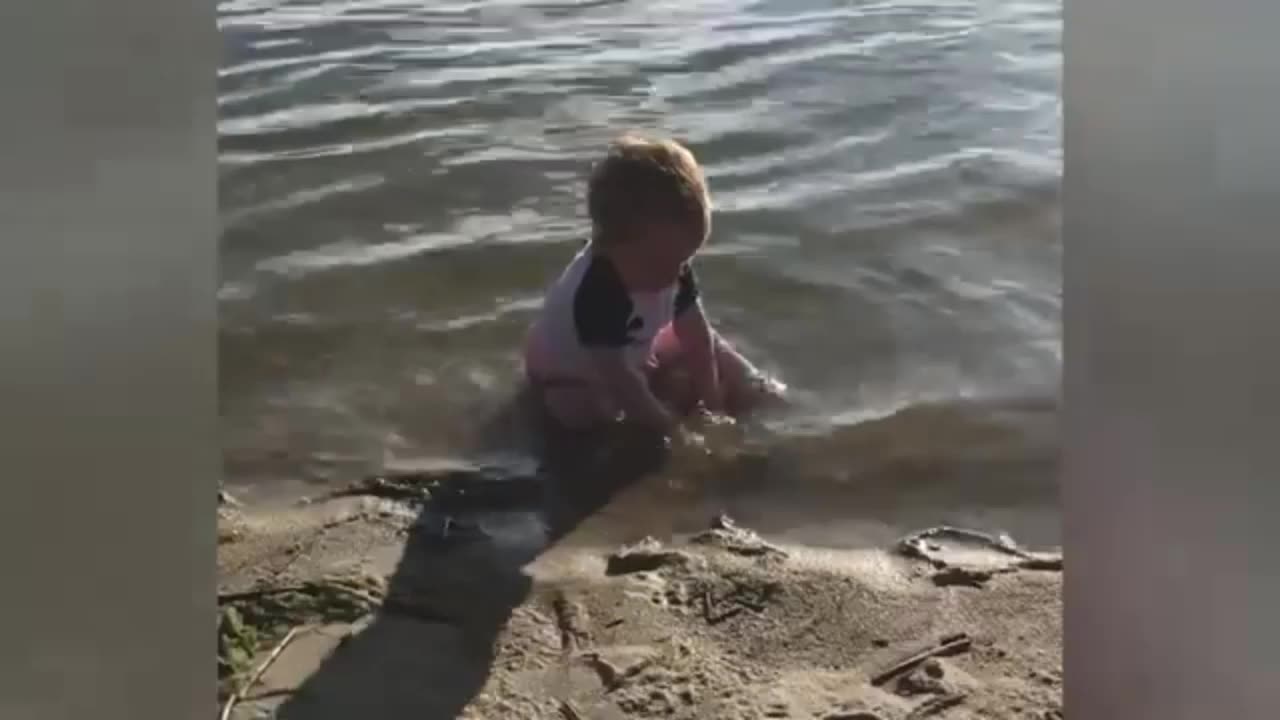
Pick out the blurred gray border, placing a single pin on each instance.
(1172, 359)
(108, 378)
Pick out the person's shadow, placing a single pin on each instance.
(428, 650)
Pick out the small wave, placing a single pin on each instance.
(503, 310)
(791, 161)
(299, 117)
(353, 254)
(268, 156)
(940, 432)
(235, 292)
(259, 66)
(301, 198)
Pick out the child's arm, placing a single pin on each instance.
(602, 313)
(631, 390)
(697, 341)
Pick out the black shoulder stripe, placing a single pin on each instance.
(602, 307)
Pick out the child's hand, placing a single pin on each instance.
(687, 438)
(686, 442)
(712, 422)
(714, 429)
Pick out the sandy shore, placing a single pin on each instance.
(390, 611)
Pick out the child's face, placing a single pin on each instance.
(673, 243)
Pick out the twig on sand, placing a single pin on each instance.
(936, 705)
(1046, 562)
(568, 711)
(739, 601)
(950, 646)
(259, 672)
(966, 577)
(708, 611)
(300, 589)
(260, 592)
(267, 695)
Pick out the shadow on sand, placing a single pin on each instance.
(428, 650)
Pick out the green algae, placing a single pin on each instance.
(252, 622)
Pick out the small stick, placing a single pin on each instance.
(609, 675)
(731, 612)
(281, 692)
(352, 593)
(708, 612)
(958, 644)
(635, 670)
(261, 592)
(568, 711)
(936, 705)
(258, 673)
(301, 589)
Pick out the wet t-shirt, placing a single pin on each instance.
(588, 307)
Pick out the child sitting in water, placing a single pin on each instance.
(622, 332)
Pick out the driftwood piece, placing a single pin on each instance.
(936, 705)
(951, 645)
(258, 673)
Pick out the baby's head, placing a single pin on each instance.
(649, 196)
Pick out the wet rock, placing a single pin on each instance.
(936, 545)
(724, 533)
(925, 680)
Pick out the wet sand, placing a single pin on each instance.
(390, 608)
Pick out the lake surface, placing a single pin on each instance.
(399, 181)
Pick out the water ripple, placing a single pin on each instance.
(887, 167)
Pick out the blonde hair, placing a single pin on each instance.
(642, 177)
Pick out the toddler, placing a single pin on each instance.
(622, 333)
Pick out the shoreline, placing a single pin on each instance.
(372, 604)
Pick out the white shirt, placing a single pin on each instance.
(589, 307)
